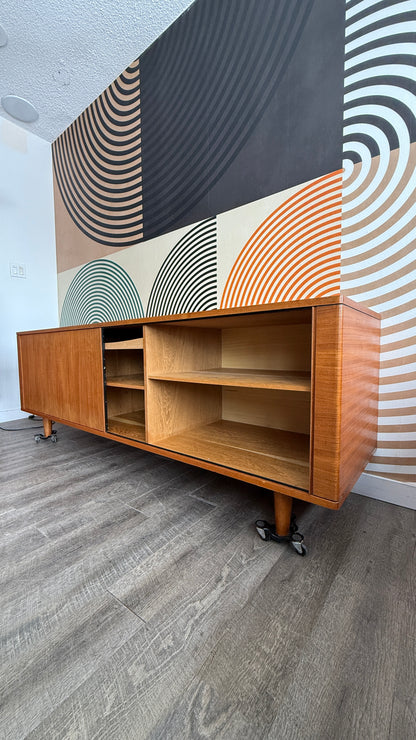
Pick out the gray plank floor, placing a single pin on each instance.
(137, 601)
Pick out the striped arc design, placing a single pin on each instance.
(98, 168)
(379, 232)
(100, 291)
(295, 252)
(215, 74)
(187, 279)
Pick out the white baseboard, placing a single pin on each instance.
(385, 489)
(12, 415)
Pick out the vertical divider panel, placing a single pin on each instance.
(173, 407)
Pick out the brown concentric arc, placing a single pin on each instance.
(98, 167)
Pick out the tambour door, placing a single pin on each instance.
(61, 375)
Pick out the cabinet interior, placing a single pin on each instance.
(124, 382)
(233, 391)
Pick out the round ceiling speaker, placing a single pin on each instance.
(19, 108)
(3, 36)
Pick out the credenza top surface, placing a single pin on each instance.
(236, 311)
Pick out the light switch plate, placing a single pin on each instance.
(17, 269)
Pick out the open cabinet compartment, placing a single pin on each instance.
(124, 382)
(234, 391)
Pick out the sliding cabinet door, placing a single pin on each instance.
(61, 375)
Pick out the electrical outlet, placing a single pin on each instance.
(17, 269)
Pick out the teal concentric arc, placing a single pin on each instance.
(187, 279)
(101, 291)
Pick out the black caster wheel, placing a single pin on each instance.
(263, 529)
(267, 532)
(298, 545)
(37, 438)
(54, 438)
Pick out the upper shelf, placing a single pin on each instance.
(125, 344)
(289, 380)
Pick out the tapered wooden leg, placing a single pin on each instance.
(282, 513)
(47, 427)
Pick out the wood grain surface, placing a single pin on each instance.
(278, 455)
(137, 601)
(61, 375)
(345, 398)
(225, 376)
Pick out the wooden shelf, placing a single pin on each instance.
(129, 424)
(126, 381)
(126, 344)
(269, 453)
(278, 379)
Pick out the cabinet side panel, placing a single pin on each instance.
(326, 418)
(359, 399)
(61, 375)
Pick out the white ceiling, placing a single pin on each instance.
(61, 54)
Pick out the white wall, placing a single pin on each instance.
(27, 236)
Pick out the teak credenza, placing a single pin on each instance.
(283, 396)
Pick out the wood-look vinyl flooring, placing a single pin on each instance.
(137, 601)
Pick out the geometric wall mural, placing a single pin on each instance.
(100, 291)
(295, 252)
(379, 210)
(258, 151)
(97, 165)
(187, 279)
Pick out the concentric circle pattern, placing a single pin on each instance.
(187, 280)
(295, 252)
(100, 291)
(98, 167)
(379, 209)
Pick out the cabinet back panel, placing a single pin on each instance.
(271, 347)
(267, 408)
(123, 362)
(122, 400)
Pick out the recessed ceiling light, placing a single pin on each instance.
(19, 108)
(3, 36)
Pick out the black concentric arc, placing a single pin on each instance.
(187, 280)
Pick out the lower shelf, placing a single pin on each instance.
(130, 424)
(268, 453)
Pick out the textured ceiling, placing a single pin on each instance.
(61, 54)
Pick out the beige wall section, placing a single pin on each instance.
(73, 248)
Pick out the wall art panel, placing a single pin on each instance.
(240, 99)
(379, 209)
(295, 252)
(100, 291)
(97, 165)
(187, 280)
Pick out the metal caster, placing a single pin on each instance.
(297, 544)
(268, 532)
(53, 437)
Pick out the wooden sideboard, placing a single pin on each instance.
(283, 396)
